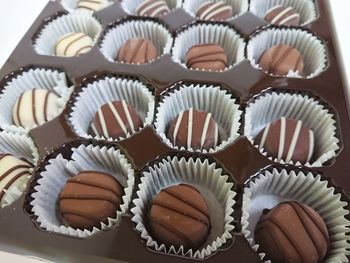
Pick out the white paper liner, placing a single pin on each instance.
(305, 8)
(272, 106)
(98, 93)
(59, 170)
(224, 109)
(51, 80)
(214, 187)
(71, 6)
(78, 22)
(130, 6)
(312, 49)
(238, 6)
(222, 35)
(116, 37)
(271, 188)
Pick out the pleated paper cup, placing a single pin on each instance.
(271, 188)
(199, 34)
(130, 6)
(311, 48)
(305, 8)
(211, 99)
(72, 5)
(47, 79)
(238, 6)
(59, 170)
(117, 36)
(77, 22)
(205, 177)
(100, 92)
(272, 106)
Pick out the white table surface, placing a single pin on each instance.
(16, 16)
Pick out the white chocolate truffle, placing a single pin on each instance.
(35, 107)
(14, 175)
(73, 44)
(91, 5)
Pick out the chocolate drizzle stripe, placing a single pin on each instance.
(81, 49)
(14, 179)
(46, 102)
(219, 11)
(4, 175)
(296, 136)
(205, 129)
(209, 8)
(74, 197)
(117, 118)
(311, 145)
(137, 49)
(282, 58)
(177, 126)
(2, 156)
(128, 115)
(285, 12)
(34, 107)
(18, 110)
(189, 128)
(289, 18)
(79, 213)
(94, 185)
(103, 123)
(160, 10)
(208, 53)
(62, 39)
(72, 42)
(86, 7)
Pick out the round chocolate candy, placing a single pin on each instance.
(206, 56)
(137, 51)
(116, 120)
(35, 107)
(194, 129)
(152, 8)
(280, 15)
(91, 5)
(73, 44)
(293, 233)
(218, 11)
(288, 140)
(90, 198)
(179, 217)
(281, 59)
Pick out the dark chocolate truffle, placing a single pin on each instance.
(206, 56)
(195, 129)
(280, 15)
(280, 59)
(152, 8)
(90, 198)
(179, 216)
(218, 11)
(293, 233)
(137, 51)
(287, 139)
(116, 119)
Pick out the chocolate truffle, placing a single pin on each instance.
(14, 173)
(152, 8)
(91, 5)
(194, 128)
(281, 59)
(218, 11)
(179, 217)
(280, 15)
(292, 232)
(288, 140)
(137, 51)
(207, 56)
(35, 107)
(73, 44)
(90, 198)
(116, 119)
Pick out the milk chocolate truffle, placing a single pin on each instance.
(35, 107)
(293, 233)
(194, 128)
(179, 217)
(73, 44)
(280, 59)
(152, 8)
(288, 140)
(91, 5)
(90, 198)
(207, 56)
(14, 173)
(116, 119)
(218, 11)
(137, 51)
(280, 15)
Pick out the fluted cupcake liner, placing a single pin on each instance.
(77, 22)
(238, 6)
(209, 180)
(305, 8)
(130, 6)
(211, 99)
(71, 5)
(273, 187)
(100, 92)
(47, 79)
(117, 36)
(272, 106)
(198, 34)
(311, 48)
(59, 170)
